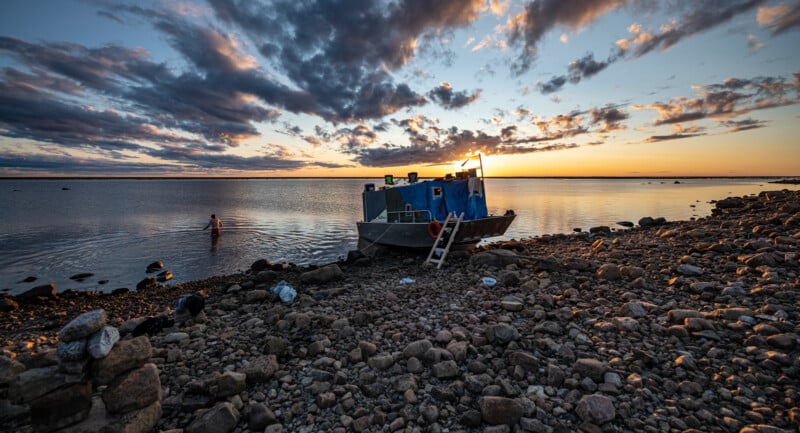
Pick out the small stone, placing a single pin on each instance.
(502, 333)
(500, 410)
(417, 348)
(222, 418)
(44, 291)
(591, 368)
(445, 370)
(175, 337)
(596, 409)
(633, 309)
(609, 272)
(146, 283)
(326, 400)
(102, 341)
(72, 351)
(322, 275)
(260, 416)
(689, 270)
(152, 267)
(381, 362)
(229, 383)
(83, 326)
(261, 369)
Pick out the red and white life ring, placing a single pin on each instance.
(434, 228)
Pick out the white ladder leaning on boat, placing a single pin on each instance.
(450, 239)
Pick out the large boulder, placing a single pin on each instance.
(62, 407)
(136, 389)
(36, 382)
(125, 355)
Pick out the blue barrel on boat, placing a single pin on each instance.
(369, 187)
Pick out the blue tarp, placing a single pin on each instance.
(455, 198)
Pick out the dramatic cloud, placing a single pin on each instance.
(723, 102)
(780, 18)
(701, 16)
(452, 146)
(449, 99)
(431, 144)
(744, 125)
(609, 117)
(28, 113)
(342, 59)
(657, 138)
(577, 70)
(358, 137)
(585, 68)
(12, 164)
(199, 104)
(555, 84)
(705, 16)
(190, 164)
(734, 97)
(540, 16)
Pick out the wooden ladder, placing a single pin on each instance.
(450, 239)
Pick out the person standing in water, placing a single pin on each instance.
(215, 224)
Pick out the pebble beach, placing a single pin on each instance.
(689, 326)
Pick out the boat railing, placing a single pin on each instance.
(408, 216)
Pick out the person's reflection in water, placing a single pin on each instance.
(215, 245)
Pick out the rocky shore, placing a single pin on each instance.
(669, 327)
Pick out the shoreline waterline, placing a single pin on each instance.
(114, 229)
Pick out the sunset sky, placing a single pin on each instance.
(364, 88)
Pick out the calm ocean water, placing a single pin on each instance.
(114, 228)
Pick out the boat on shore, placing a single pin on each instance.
(411, 213)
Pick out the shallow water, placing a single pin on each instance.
(115, 228)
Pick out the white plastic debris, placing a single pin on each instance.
(488, 281)
(284, 291)
(406, 280)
